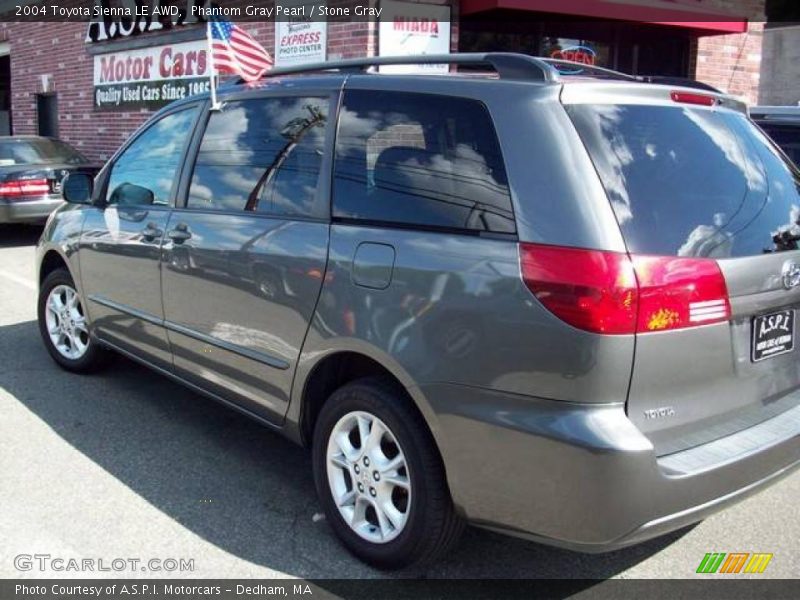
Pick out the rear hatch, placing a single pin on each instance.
(703, 195)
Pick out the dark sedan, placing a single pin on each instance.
(31, 171)
(782, 124)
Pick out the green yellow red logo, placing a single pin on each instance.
(734, 562)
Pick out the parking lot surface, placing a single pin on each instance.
(127, 464)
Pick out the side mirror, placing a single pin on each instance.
(77, 188)
(130, 194)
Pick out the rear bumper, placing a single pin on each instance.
(28, 211)
(584, 477)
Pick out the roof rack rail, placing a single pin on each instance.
(568, 67)
(508, 65)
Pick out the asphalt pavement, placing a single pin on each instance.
(126, 464)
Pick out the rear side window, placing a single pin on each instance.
(262, 155)
(690, 181)
(420, 160)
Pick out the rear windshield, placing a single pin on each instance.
(35, 152)
(692, 181)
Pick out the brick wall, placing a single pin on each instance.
(59, 51)
(733, 62)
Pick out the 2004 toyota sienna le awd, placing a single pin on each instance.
(557, 306)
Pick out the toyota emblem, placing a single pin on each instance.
(790, 274)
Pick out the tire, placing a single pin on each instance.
(79, 352)
(427, 526)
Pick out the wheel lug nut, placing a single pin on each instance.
(360, 488)
(377, 476)
(366, 461)
(372, 492)
(356, 469)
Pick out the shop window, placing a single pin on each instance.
(263, 156)
(47, 114)
(5, 94)
(584, 52)
(430, 161)
(629, 47)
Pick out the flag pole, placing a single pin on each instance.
(215, 105)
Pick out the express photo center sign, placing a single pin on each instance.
(150, 77)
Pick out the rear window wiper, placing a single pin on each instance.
(784, 240)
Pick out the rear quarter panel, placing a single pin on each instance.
(456, 309)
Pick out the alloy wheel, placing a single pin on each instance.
(66, 322)
(368, 477)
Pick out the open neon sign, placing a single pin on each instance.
(578, 54)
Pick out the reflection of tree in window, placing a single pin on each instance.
(293, 132)
(413, 165)
(261, 155)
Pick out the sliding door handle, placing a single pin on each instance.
(151, 232)
(180, 234)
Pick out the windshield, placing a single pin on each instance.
(39, 151)
(687, 181)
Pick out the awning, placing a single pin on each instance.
(697, 16)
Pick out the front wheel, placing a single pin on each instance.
(380, 478)
(63, 325)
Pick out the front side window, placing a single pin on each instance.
(420, 160)
(262, 155)
(146, 172)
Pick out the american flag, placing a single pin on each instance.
(234, 51)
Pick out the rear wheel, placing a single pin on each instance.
(380, 479)
(63, 325)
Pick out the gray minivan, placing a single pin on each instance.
(557, 306)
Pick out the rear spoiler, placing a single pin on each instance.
(594, 92)
(679, 81)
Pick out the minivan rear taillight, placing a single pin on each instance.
(679, 292)
(589, 289)
(613, 293)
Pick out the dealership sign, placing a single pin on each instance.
(150, 77)
(411, 29)
(300, 41)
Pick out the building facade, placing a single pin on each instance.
(93, 85)
(780, 83)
